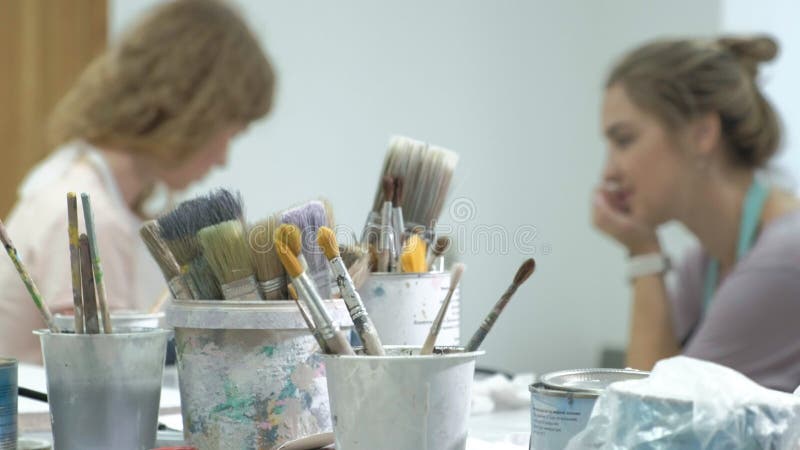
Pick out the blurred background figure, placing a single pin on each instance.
(159, 107)
(688, 130)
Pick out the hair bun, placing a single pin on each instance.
(751, 51)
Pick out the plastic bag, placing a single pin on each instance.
(691, 404)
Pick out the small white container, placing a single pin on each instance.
(119, 319)
(401, 400)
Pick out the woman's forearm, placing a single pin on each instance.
(651, 334)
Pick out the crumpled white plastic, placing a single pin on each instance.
(691, 404)
(498, 393)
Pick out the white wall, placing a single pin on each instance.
(513, 86)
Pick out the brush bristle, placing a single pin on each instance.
(308, 218)
(455, 274)
(290, 236)
(442, 244)
(426, 171)
(398, 191)
(525, 271)
(224, 205)
(151, 236)
(225, 248)
(413, 257)
(352, 253)
(359, 271)
(388, 188)
(326, 239)
(265, 256)
(289, 260)
(204, 283)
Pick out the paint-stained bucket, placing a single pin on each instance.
(402, 400)
(8, 404)
(403, 305)
(104, 389)
(561, 403)
(249, 372)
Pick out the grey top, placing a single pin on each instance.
(753, 321)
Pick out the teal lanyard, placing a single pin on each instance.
(751, 215)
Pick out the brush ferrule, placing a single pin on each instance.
(179, 288)
(306, 291)
(386, 226)
(244, 289)
(270, 286)
(399, 228)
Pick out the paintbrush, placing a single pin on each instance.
(225, 248)
(430, 341)
(386, 254)
(413, 258)
(159, 303)
(223, 205)
(358, 261)
(436, 258)
(178, 229)
(97, 266)
(363, 325)
(269, 271)
(307, 319)
(26, 278)
(308, 218)
(427, 171)
(398, 224)
(151, 235)
(88, 284)
(201, 280)
(75, 260)
(524, 271)
(334, 338)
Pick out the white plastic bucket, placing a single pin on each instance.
(401, 400)
(250, 373)
(403, 305)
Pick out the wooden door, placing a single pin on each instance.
(44, 45)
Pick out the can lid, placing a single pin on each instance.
(589, 380)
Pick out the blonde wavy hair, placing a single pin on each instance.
(182, 73)
(680, 79)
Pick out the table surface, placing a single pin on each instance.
(486, 431)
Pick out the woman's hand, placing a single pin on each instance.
(611, 215)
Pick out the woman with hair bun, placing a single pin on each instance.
(688, 130)
(157, 107)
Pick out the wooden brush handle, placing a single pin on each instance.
(87, 278)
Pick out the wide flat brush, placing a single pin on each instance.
(430, 341)
(363, 325)
(36, 296)
(225, 247)
(75, 260)
(334, 338)
(270, 273)
(151, 235)
(523, 273)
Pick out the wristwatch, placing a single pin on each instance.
(648, 264)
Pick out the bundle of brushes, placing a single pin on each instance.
(415, 181)
(88, 287)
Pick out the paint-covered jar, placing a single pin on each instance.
(250, 373)
(8, 404)
(561, 403)
(403, 305)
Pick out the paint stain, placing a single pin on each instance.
(379, 292)
(268, 350)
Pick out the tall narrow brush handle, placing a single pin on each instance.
(306, 290)
(339, 345)
(97, 267)
(491, 318)
(89, 299)
(364, 326)
(436, 326)
(310, 324)
(75, 260)
(26, 278)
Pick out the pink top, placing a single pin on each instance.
(753, 322)
(38, 227)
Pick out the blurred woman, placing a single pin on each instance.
(159, 106)
(688, 130)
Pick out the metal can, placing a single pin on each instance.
(561, 403)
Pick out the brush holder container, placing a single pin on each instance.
(403, 305)
(104, 389)
(249, 372)
(401, 400)
(119, 319)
